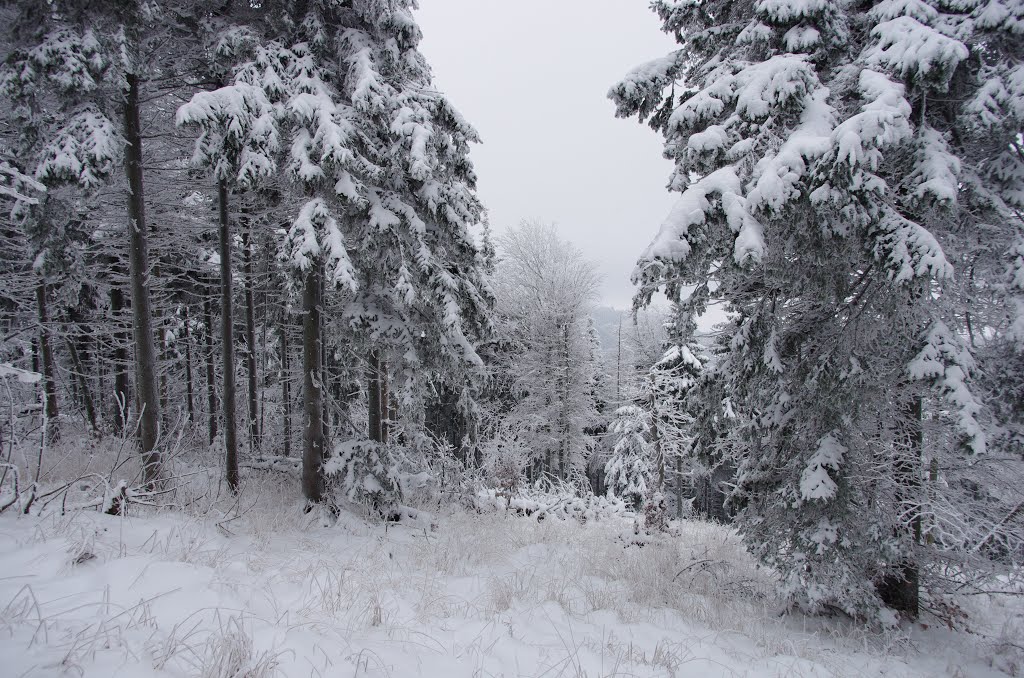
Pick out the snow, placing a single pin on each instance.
(825, 533)
(714, 138)
(787, 11)
(73, 61)
(910, 250)
(996, 14)
(815, 482)
(645, 83)
(414, 124)
(693, 208)
(17, 186)
(270, 592)
(936, 169)
(23, 376)
(912, 48)
(888, 10)
(771, 357)
(987, 104)
(369, 91)
(948, 364)
(83, 151)
(239, 135)
(754, 32)
(771, 84)
(801, 38)
(883, 121)
(777, 177)
(314, 232)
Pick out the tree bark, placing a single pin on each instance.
(189, 388)
(385, 401)
(250, 341)
(142, 315)
(46, 353)
(679, 487)
(227, 340)
(376, 404)
(120, 352)
(314, 436)
(211, 371)
(286, 388)
(325, 378)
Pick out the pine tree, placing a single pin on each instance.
(822, 154)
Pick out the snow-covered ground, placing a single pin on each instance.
(263, 590)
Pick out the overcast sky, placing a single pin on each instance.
(532, 76)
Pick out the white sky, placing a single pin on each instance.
(532, 77)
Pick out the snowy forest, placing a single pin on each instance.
(279, 398)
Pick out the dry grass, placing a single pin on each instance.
(358, 580)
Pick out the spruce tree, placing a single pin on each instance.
(74, 75)
(825, 157)
(380, 161)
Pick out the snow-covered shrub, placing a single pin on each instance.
(365, 472)
(555, 500)
(656, 512)
(505, 460)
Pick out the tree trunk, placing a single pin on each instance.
(679, 487)
(901, 590)
(142, 315)
(189, 395)
(286, 389)
(164, 358)
(324, 373)
(264, 365)
(376, 391)
(211, 371)
(250, 341)
(385, 401)
(46, 353)
(227, 340)
(314, 437)
(120, 352)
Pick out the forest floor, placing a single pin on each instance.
(260, 589)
